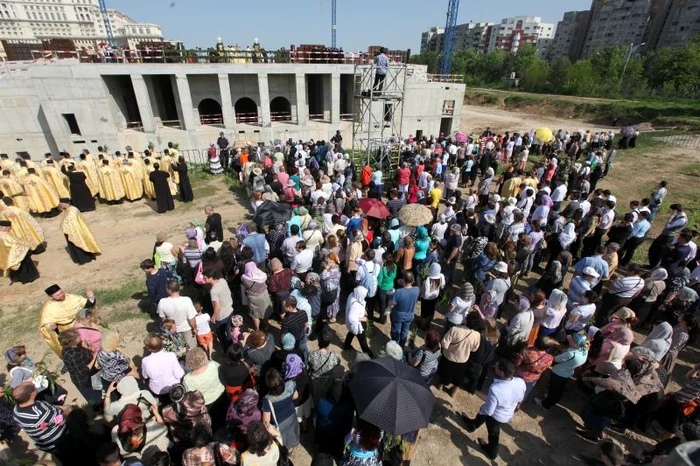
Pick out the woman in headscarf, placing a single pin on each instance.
(488, 305)
(561, 243)
(654, 287)
(240, 414)
(356, 319)
(197, 225)
(181, 418)
(259, 303)
(556, 309)
(553, 276)
(429, 293)
(421, 245)
(624, 396)
(485, 187)
(460, 306)
(685, 332)
(541, 213)
(617, 338)
(294, 369)
(458, 344)
(280, 283)
(563, 369)
(330, 286)
(659, 340)
(520, 326)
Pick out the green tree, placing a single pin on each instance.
(558, 73)
(432, 59)
(464, 62)
(581, 79)
(536, 77)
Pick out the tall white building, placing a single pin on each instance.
(78, 20)
(511, 33)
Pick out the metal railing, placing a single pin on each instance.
(445, 78)
(347, 116)
(281, 116)
(248, 118)
(135, 125)
(212, 120)
(212, 55)
(317, 116)
(171, 124)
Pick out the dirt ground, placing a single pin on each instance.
(126, 234)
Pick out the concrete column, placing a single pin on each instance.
(226, 105)
(335, 98)
(264, 91)
(185, 97)
(302, 107)
(143, 101)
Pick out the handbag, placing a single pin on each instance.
(199, 276)
(284, 451)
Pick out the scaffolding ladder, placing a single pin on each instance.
(378, 117)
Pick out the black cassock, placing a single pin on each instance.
(80, 195)
(27, 271)
(164, 199)
(186, 194)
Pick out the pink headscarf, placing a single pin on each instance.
(546, 201)
(254, 274)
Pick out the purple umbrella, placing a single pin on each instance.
(461, 137)
(627, 131)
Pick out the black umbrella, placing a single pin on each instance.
(272, 213)
(392, 395)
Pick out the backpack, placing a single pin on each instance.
(369, 280)
(131, 428)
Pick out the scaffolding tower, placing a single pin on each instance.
(378, 116)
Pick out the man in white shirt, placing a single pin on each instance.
(505, 395)
(302, 262)
(181, 310)
(558, 195)
(289, 245)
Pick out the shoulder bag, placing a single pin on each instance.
(284, 451)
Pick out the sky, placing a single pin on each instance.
(395, 24)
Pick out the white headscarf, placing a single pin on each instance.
(659, 274)
(567, 236)
(659, 340)
(557, 300)
(355, 309)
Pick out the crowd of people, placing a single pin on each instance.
(479, 281)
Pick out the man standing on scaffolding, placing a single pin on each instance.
(381, 62)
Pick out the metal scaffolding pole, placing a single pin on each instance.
(378, 107)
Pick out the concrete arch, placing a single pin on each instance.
(280, 109)
(246, 110)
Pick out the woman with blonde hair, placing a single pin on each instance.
(330, 286)
(204, 377)
(556, 309)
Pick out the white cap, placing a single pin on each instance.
(501, 267)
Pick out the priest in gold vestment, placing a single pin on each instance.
(111, 186)
(15, 256)
(58, 314)
(82, 246)
(24, 226)
(11, 187)
(41, 196)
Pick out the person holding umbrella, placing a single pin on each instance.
(504, 397)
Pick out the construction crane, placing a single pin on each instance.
(108, 24)
(448, 44)
(333, 11)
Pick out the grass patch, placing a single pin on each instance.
(692, 169)
(204, 191)
(113, 296)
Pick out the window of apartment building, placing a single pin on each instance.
(72, 123)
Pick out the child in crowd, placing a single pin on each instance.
(205, 337)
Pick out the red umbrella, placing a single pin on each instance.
(374, 208)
